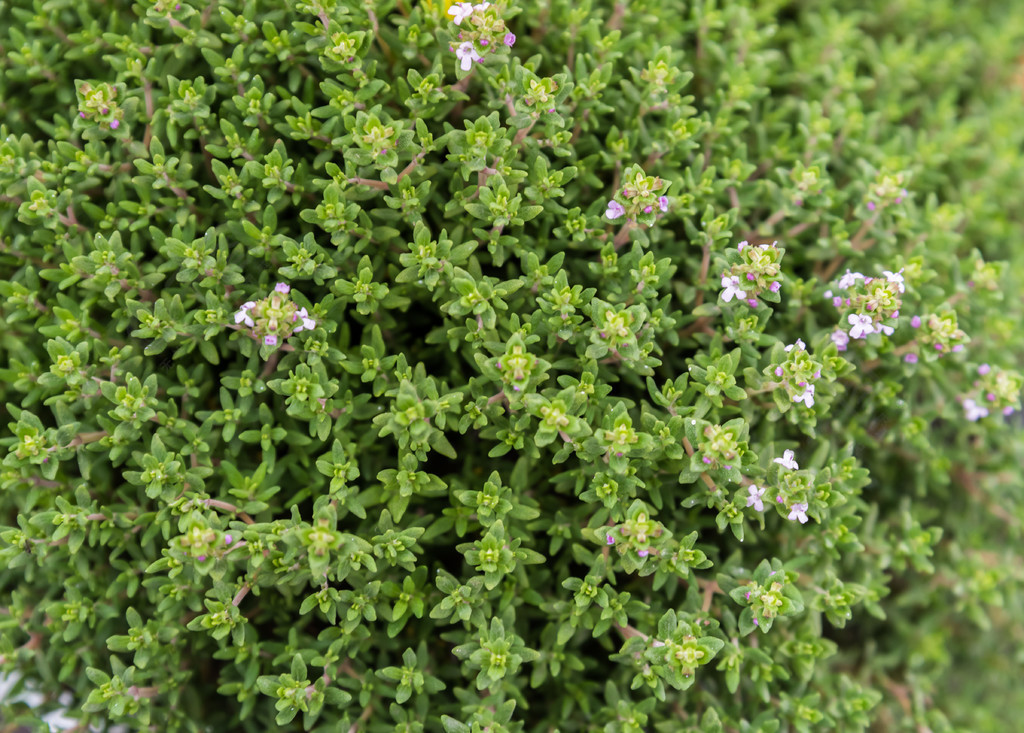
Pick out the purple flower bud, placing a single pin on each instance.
(910, 358)
(915, 322)
(801, 384)
(728, 468)
(663, 203)
(799, 202)
(752, 302)
(106, 110)
(201, 558)
(178, 6)
(895, 314)
(648, 209)
(778, 371)
(282, 288)
(756, 622)
(114, 124)
(837, 301)
(775, 287)
(609, 539)
(643, 553)
(228, 539)
(984, 369)
(871, 205)
(82, 115)
(270, 340)
(510, 39)
(551, 110)
(1007, 410)
(750, 276)
(991, 397)
(938, 347)
(706, 460)
(778, 499)
(958, 348)
(817, 374)
(748, 595)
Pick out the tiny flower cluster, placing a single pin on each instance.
(797, 374)
(940, 333)
(275, 317)
(995, 391)
(887, 190)
(867, 306)
(756, 495)
(636, 532)
(99, 104)
(481, 28)
(754, 271)
(641, 194)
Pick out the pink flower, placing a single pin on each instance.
(849, 279)
(798, 512)
(609, 539)
(242, 316)
(227, 539)
(114, 124)
(787, 461)
(460, 11)
(798, 344)
(863, 325)
(282, 288)
(973, 411)
(466, 53)
(270, 340)
(307, 324)
(643, 553)
(841, 339)
(915, 322)
(807, 396)
(895, 277)
(732, 289)
(754, 498)
(663, 203)
(614, 210)
(984, 369)
(510, 39)
(910, 358)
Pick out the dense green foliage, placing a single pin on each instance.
(649, 370)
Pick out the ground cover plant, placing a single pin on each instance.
(379, 365)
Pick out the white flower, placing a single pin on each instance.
(882, 328)
(741, 245)
(242, 316)
(799, 345)
(974, 411)
(787, 461)
(460, 11)
(307, 324)
(840, 339)
(848, 280)
(754, 499)
(863, 326)
(895, 277)
(732, 288)
(481, 6)
(798, 512)
(466, 53)
(807, 397)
